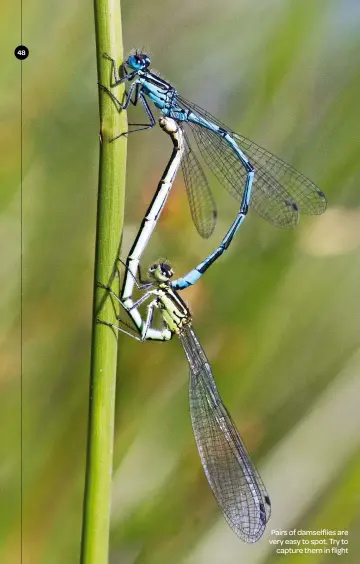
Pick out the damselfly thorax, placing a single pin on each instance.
(162, 93)
(174, 311)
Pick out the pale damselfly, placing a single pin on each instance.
(274, 189)
(233, 478)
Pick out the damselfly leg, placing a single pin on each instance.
(144, 126)
(144, 284)
(143, 326)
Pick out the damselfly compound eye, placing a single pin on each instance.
(166, 270)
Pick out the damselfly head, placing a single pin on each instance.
(138, 61)
(162, 271)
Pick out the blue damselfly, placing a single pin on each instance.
(250, 173)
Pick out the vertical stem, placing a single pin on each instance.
(111, 195)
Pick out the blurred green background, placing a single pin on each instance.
(278, 316)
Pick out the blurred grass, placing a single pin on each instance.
(278, 316)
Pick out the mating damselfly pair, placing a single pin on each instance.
(277, 192)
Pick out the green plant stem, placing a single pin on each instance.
(111, 195)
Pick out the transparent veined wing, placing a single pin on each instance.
(270, 200)
(307, 196)
(201, 201)
(233, 478)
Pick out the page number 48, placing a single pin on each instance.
(21, 52)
